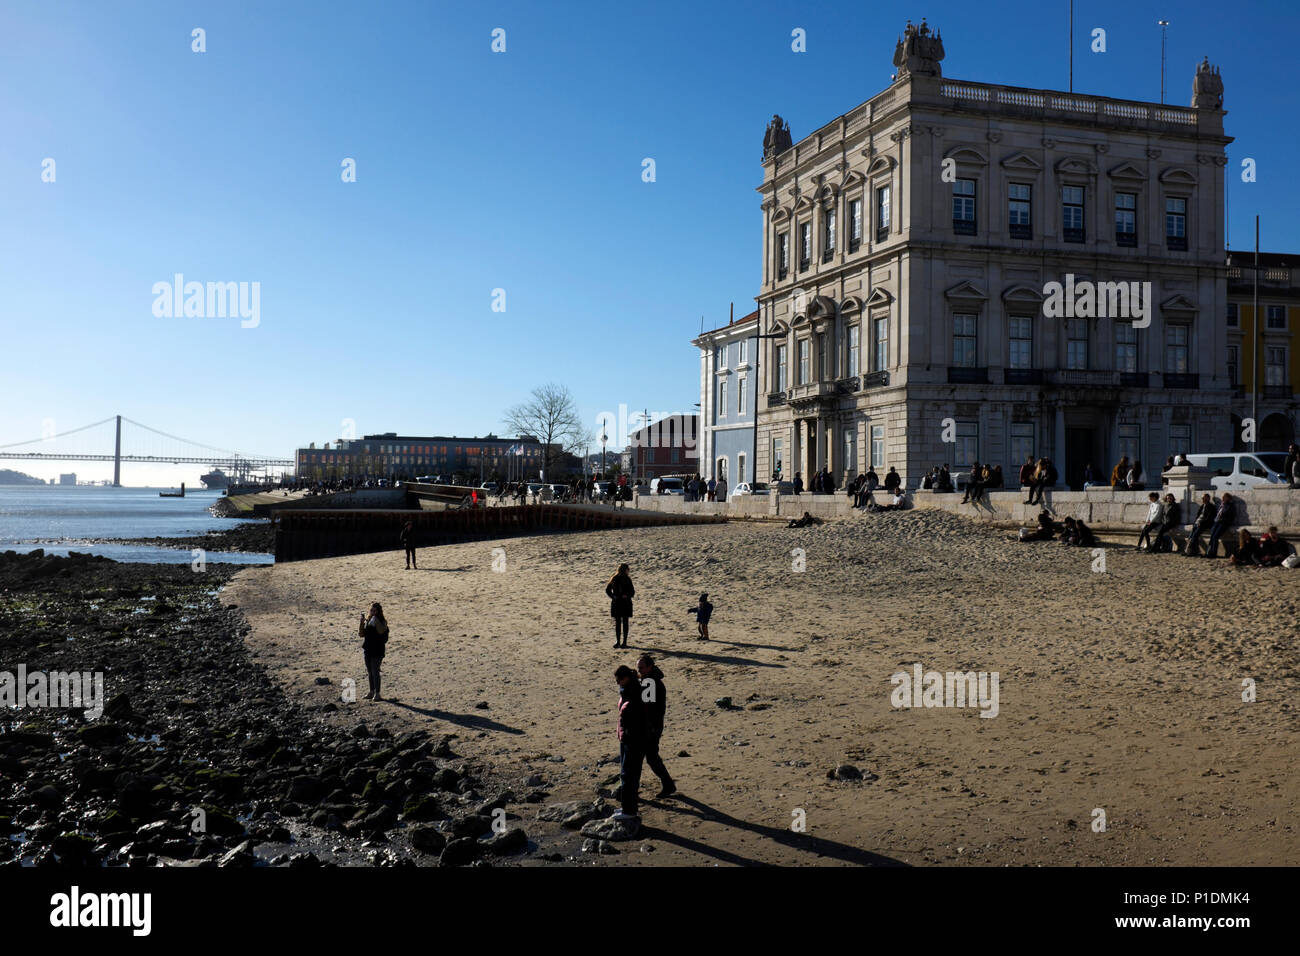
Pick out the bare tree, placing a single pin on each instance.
(550, 416)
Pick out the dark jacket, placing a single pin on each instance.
(633, 725)
(1084, 535)
(656, 708)
(892, 480)
(408, 538)
(703, 611)
(376, 637)
(1204, 515)
(1173, 515)
(1226, 510)
(620, 593)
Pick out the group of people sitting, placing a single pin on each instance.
(1072, 531)
(981, 477)
(938, 478)
(863, 487)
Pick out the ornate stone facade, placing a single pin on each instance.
(905, 252)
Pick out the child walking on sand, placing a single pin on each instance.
(703, 611)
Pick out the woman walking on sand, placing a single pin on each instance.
(620, 592)
(375, 633)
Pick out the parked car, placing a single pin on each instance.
(745, 488)
(1237, 471)
(667, 486)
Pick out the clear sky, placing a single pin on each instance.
(475, 171)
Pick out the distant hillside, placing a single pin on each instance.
(10, 477)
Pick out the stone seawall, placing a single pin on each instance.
(1101, 508)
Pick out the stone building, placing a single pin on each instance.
(907, 249)
(727, 400)
(1276, 402)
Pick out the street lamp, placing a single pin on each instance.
(603, 438)
(1164, 27)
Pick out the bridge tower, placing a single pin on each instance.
(117, 456)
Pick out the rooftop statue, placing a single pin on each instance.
(918, 51)
(777, 138)
(1207, 87)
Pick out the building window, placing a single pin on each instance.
(1022, 444)
(743, 347)
(880, 343)
(1126, 347)
(963, 207)
(1234, 365)
(778, 446)
(855, 225)
(877, 446)
(825, 368)
(719, 357)
(1275, 317)
(783, 255)
(740, 467)
(804, 370)
(1072, 213)
(963, 341)
(1180, 439)
(1130, 442)
(1176, 224)
(805, 245)
(855, 332)
(1021, 341)
(1176, 337)
(722, 399)
(1234, 316)
(1126, 219)
(781, 377)
(967, 449)
(828, 235)
(882, 214)
(740, 394)
(1076, 345)
(1275, 366)
(850, 451)
(1019, 204)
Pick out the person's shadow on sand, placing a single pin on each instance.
(668, 653)
(473, 721)
(788, 838)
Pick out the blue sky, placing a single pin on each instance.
(475, 171)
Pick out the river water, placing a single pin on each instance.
(59, 518)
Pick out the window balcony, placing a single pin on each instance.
(1074, 235)
(828, 255)
(965, 375)
(1277, 391)
(1022, 376)
(775, 398)
(963, 227)
(1134, 380)
(855, 244)
(1182, 380)
(1127, 239)
(1020, 232)
(1176, 243)
(804, 264)
(875, 379)
(782, 272)
(882, 234)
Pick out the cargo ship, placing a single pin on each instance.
(215, 479)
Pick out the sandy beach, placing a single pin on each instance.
(1120, 691)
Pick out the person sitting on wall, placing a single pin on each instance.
(1172, 520)
(1119, 476)
(944, 481)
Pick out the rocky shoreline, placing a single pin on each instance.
(199, 759)
(251, 538)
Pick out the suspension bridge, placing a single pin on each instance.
(144, 444)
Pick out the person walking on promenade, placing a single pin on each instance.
(408, 544)
(620, 592)
(633, 736)
(1222, 522)
(702, 611)
(652, 684)
(1200, 525)
(374, 632)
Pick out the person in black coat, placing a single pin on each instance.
(1223, 518)
(374, 632)
(652, 684)
(633, 737)
(408, 544)
(620, 592)
(1172, 521)
(1200, 525)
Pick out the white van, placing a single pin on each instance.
(667, 486)
(1239, 470)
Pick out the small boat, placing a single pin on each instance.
(173, 494)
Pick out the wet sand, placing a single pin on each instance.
(1120, 691)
